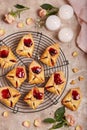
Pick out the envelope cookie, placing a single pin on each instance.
(9, 96)
(26, 46)
(72, 99)
(35, 97)
(17, 76)
(50, 55)
(36, 73)
(56, 83)
(7, 58)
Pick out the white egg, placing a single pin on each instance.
(53, 23)
(65, 34)
(66, 12)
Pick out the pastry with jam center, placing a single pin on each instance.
(50, 55)
(35, 97)
(56, 83)
(36, 73)
(9, 96)
(25, 46)
(7, 58)
(72, 99)
(17, 76)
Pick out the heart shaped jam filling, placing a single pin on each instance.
(36, 69)
(20, 73)
(57, 79)
(5, 93)
(52, 51)
(4, 53)
(28, 42)
(37, 94)
(75, 95)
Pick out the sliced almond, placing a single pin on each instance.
(2, 32)
(26, 124)
(29, 21)
(80, 78)
(20, 25)
(73, 82)
(78, 127)
(75, 53)
(5, 114)
(37, 122)
(75, 70)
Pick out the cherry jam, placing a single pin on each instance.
(57, 79)
(20, 73)
(4, 53)
(28, 42)
(52, 51)
(75, 95)
(38, 95)
(36, 69)
(6, 94)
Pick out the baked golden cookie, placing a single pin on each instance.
(7, 58)
(9, 96)
(50, 55)
(17, 76)
(72, 99)
(56, 83)
(35, 97)
(26, 46)
(36, 73)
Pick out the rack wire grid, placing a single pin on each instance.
(41, 42)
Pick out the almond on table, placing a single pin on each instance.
(75, 53)
(78, 127)
(37, 122)
(2, 32)
(5, 114)
(73, 82)
(29, 21)
(26, 124)
(75, 70)
(80, 78)
(20, 25)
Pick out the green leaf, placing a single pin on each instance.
(59, 113)
(52, 11)
(58, 125)
(46, 6)
(49, 120)
(18, 6)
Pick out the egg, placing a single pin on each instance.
(53, 23)
(65, 34)
(65, 12)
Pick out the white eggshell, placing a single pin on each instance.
(65, 12)
(65, 34)
(53, 23)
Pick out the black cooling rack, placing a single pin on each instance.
(41, 42)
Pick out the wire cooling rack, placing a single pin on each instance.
(41, 42)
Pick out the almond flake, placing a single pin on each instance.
(20, 25)
(37, 122)
(26, 124)
(73, 82)
(5, 114)
(78, 127)
(80, 78)
(29, 21)
(2, 32)
(75, 53)
(75, 70)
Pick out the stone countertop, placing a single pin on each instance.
(14, 121)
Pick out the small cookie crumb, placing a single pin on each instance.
(2, 32)
(26, 124)
(73, 82)
(75, 70)
(75, 53)
(29, 21)
(20, 25)
(78, 127)
(37, 122)
(80, 78)
(5, 114)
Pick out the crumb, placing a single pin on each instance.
(5, 114)
(75, 70)
(2, 32)
(78, 127)
(73, 82)
(80, 78)
(75, 53)
(20, 25)
(37, 122)
(26, 124)
(29, 21)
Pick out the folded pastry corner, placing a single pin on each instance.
(35, 97)
(25, 46)
(50, 55)
(7, 58)
(56, 83)
(36, 73)
(9, 96)
(72, 99)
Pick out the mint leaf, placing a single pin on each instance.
(18, 6)
(46, 6)
(52, 11)
(58, 125)
(49, 120)
(59, 113)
